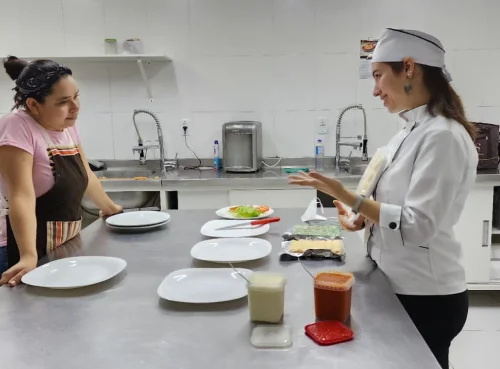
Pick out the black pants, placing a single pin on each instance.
(439, 319)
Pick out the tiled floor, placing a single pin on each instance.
(478, 346)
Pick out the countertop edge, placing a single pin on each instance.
(243, 182)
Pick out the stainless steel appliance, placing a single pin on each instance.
(242, 146)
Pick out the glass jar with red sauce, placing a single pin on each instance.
(332, 295)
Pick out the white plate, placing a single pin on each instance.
(225, 213)
(234, 250)
(138, 218)
(75, 272)
(210, 229)
(204, 286)
(138, 228)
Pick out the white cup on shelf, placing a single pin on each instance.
(133, 46)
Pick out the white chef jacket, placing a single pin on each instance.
(422, 195)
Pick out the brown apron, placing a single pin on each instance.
(58, 212)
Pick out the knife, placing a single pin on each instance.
(258, 222)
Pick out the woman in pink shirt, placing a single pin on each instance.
(44, 173)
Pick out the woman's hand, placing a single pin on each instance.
(344, 215)
(324, 184)
(115, 209)
(333, 188)
(13, 276)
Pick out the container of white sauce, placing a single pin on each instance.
(266, 297)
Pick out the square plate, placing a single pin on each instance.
(74, 272)
(204, 285)
(234, 250)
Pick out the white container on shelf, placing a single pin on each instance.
(133, 46)
(110, 46)
(266, 297)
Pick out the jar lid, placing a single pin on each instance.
(338, 281)
(271, 336)
(267, 281)
(329, 332)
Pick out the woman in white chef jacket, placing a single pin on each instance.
(421, 195)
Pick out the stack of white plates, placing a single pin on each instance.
(138, 220)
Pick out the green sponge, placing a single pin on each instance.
(295, 170)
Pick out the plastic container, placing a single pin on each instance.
(133, 46)
(266, 297)
(110, 46)
(332, 295)
(216, 155)
(320, 156)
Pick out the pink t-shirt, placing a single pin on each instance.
(20, 130)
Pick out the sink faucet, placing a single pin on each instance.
(362, 144)
(141, 148)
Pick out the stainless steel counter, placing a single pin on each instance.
(181, 179)
(271, 177)
(123, 324)
(266, 178)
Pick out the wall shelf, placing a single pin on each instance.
(102, 58)
(140, 59)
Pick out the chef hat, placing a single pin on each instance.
(396, 44)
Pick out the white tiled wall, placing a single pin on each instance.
(283, 62)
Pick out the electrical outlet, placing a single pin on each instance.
(185, 126)
(322, 126)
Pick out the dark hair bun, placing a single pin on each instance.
(14, 66)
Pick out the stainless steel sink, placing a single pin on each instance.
(357, 170)
(127, 199)
(127, 174)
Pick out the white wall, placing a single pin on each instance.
(283, 62)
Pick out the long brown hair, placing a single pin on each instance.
(444, 100)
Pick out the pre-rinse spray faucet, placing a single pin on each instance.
(356, 145)
(141, 148)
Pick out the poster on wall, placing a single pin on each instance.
(366, 48)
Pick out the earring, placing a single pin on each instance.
(408, 85)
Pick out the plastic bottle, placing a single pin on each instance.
(320, 156)
(216, 156)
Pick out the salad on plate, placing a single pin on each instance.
(248, 211)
